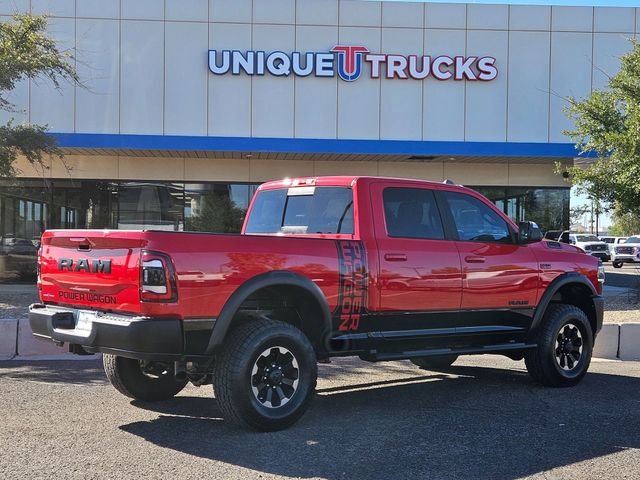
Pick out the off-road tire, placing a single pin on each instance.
(234, 373)
(541, 362)
(435, 363)
(617, 264)
(126, 375)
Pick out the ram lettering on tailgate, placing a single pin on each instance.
(84, 265)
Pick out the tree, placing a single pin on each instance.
(625, 224)
(607, 123)
(26, 52)
(576, 214)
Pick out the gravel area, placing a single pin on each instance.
(622, 308)
(15, 300)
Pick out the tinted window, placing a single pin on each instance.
(310, 210)
(632, 240)
(411, 213)
(475, 221)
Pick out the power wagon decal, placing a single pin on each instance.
(352, 293)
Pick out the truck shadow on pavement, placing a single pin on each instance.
(471, 422)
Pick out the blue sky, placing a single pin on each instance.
(591, 3)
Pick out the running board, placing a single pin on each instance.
(375, 356)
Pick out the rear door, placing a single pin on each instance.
(420, 281)
(500, 277)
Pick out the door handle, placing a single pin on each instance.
(474, 259)
(395, 257)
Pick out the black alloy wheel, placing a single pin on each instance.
(275, 377)
(569, 347)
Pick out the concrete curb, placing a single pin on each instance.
(29, 346)
(608, 342)
(8, 338)
(630, 341)
(615, 342)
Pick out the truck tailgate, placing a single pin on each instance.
(91, 268)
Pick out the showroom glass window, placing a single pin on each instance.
(548, 207)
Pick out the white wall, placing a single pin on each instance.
(143, 63)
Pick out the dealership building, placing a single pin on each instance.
(187, 105)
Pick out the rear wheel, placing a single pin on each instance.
(565, 344)
(434, 363)
(148, 381)
(617, 264)
(265, 375)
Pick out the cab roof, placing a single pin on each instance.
(347, 181)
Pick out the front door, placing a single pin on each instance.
(500, 277)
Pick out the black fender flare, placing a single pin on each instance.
(559, 282)
(264, 280)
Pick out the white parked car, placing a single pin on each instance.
(627, 252)
(591, 244)
(612, 242)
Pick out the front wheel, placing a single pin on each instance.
(617, 264)
(565, 344)
(265, 375)
(148, 381)
(434, 363)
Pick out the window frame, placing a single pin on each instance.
(436, 204)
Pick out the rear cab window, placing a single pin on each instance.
(412, 213)
(306, 210)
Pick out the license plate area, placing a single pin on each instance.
(83, 323)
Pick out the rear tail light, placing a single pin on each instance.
(157, 278)
(38, 276)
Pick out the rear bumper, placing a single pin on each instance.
(142, 338)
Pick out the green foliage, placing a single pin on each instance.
(625, 224)
(608, 123)
(26, 52)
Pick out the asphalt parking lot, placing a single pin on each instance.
(626, 277)
(482, 419)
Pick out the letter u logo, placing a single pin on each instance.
(349, 61)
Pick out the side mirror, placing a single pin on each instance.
(529, 232)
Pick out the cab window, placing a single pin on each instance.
(302, 210)
(475, 221)
(412, 213)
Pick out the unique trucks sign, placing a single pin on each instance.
(348, 60)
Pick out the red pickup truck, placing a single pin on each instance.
(380, 268)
